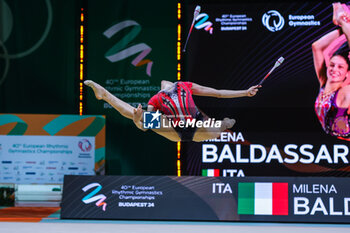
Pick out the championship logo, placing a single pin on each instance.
(118, 52)
(91, 198)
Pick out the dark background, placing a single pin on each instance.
(283, 110)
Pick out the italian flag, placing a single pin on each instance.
(263, 198)
(211, 172)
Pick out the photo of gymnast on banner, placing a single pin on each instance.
(297, 54)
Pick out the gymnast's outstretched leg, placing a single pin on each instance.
(128, 111)
(102, 94)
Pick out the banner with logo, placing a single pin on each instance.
(277, 132)
(207, 198)
(131, 48)
(43, 148)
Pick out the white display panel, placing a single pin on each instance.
(45, 159)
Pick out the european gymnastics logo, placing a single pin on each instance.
(276, 25)
(98, 198)
(85, 145)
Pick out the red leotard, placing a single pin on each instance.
(177, 104)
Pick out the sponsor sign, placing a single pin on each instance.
(45, 159)
(207, 198)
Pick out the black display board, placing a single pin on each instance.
(270, 199)
(233, 45)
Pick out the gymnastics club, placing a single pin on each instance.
(277, 64)
(195, 14)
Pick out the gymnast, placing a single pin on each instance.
(174, 101)
(333, 101)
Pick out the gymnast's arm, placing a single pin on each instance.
(318, 48)
(343, 98)
(333, 47)
(211, 92)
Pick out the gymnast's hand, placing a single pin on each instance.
(336, 6)
(253, 90)
(339, 14)
(137, 114)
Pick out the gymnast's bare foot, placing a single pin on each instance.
(229, 122)
(98, 90)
